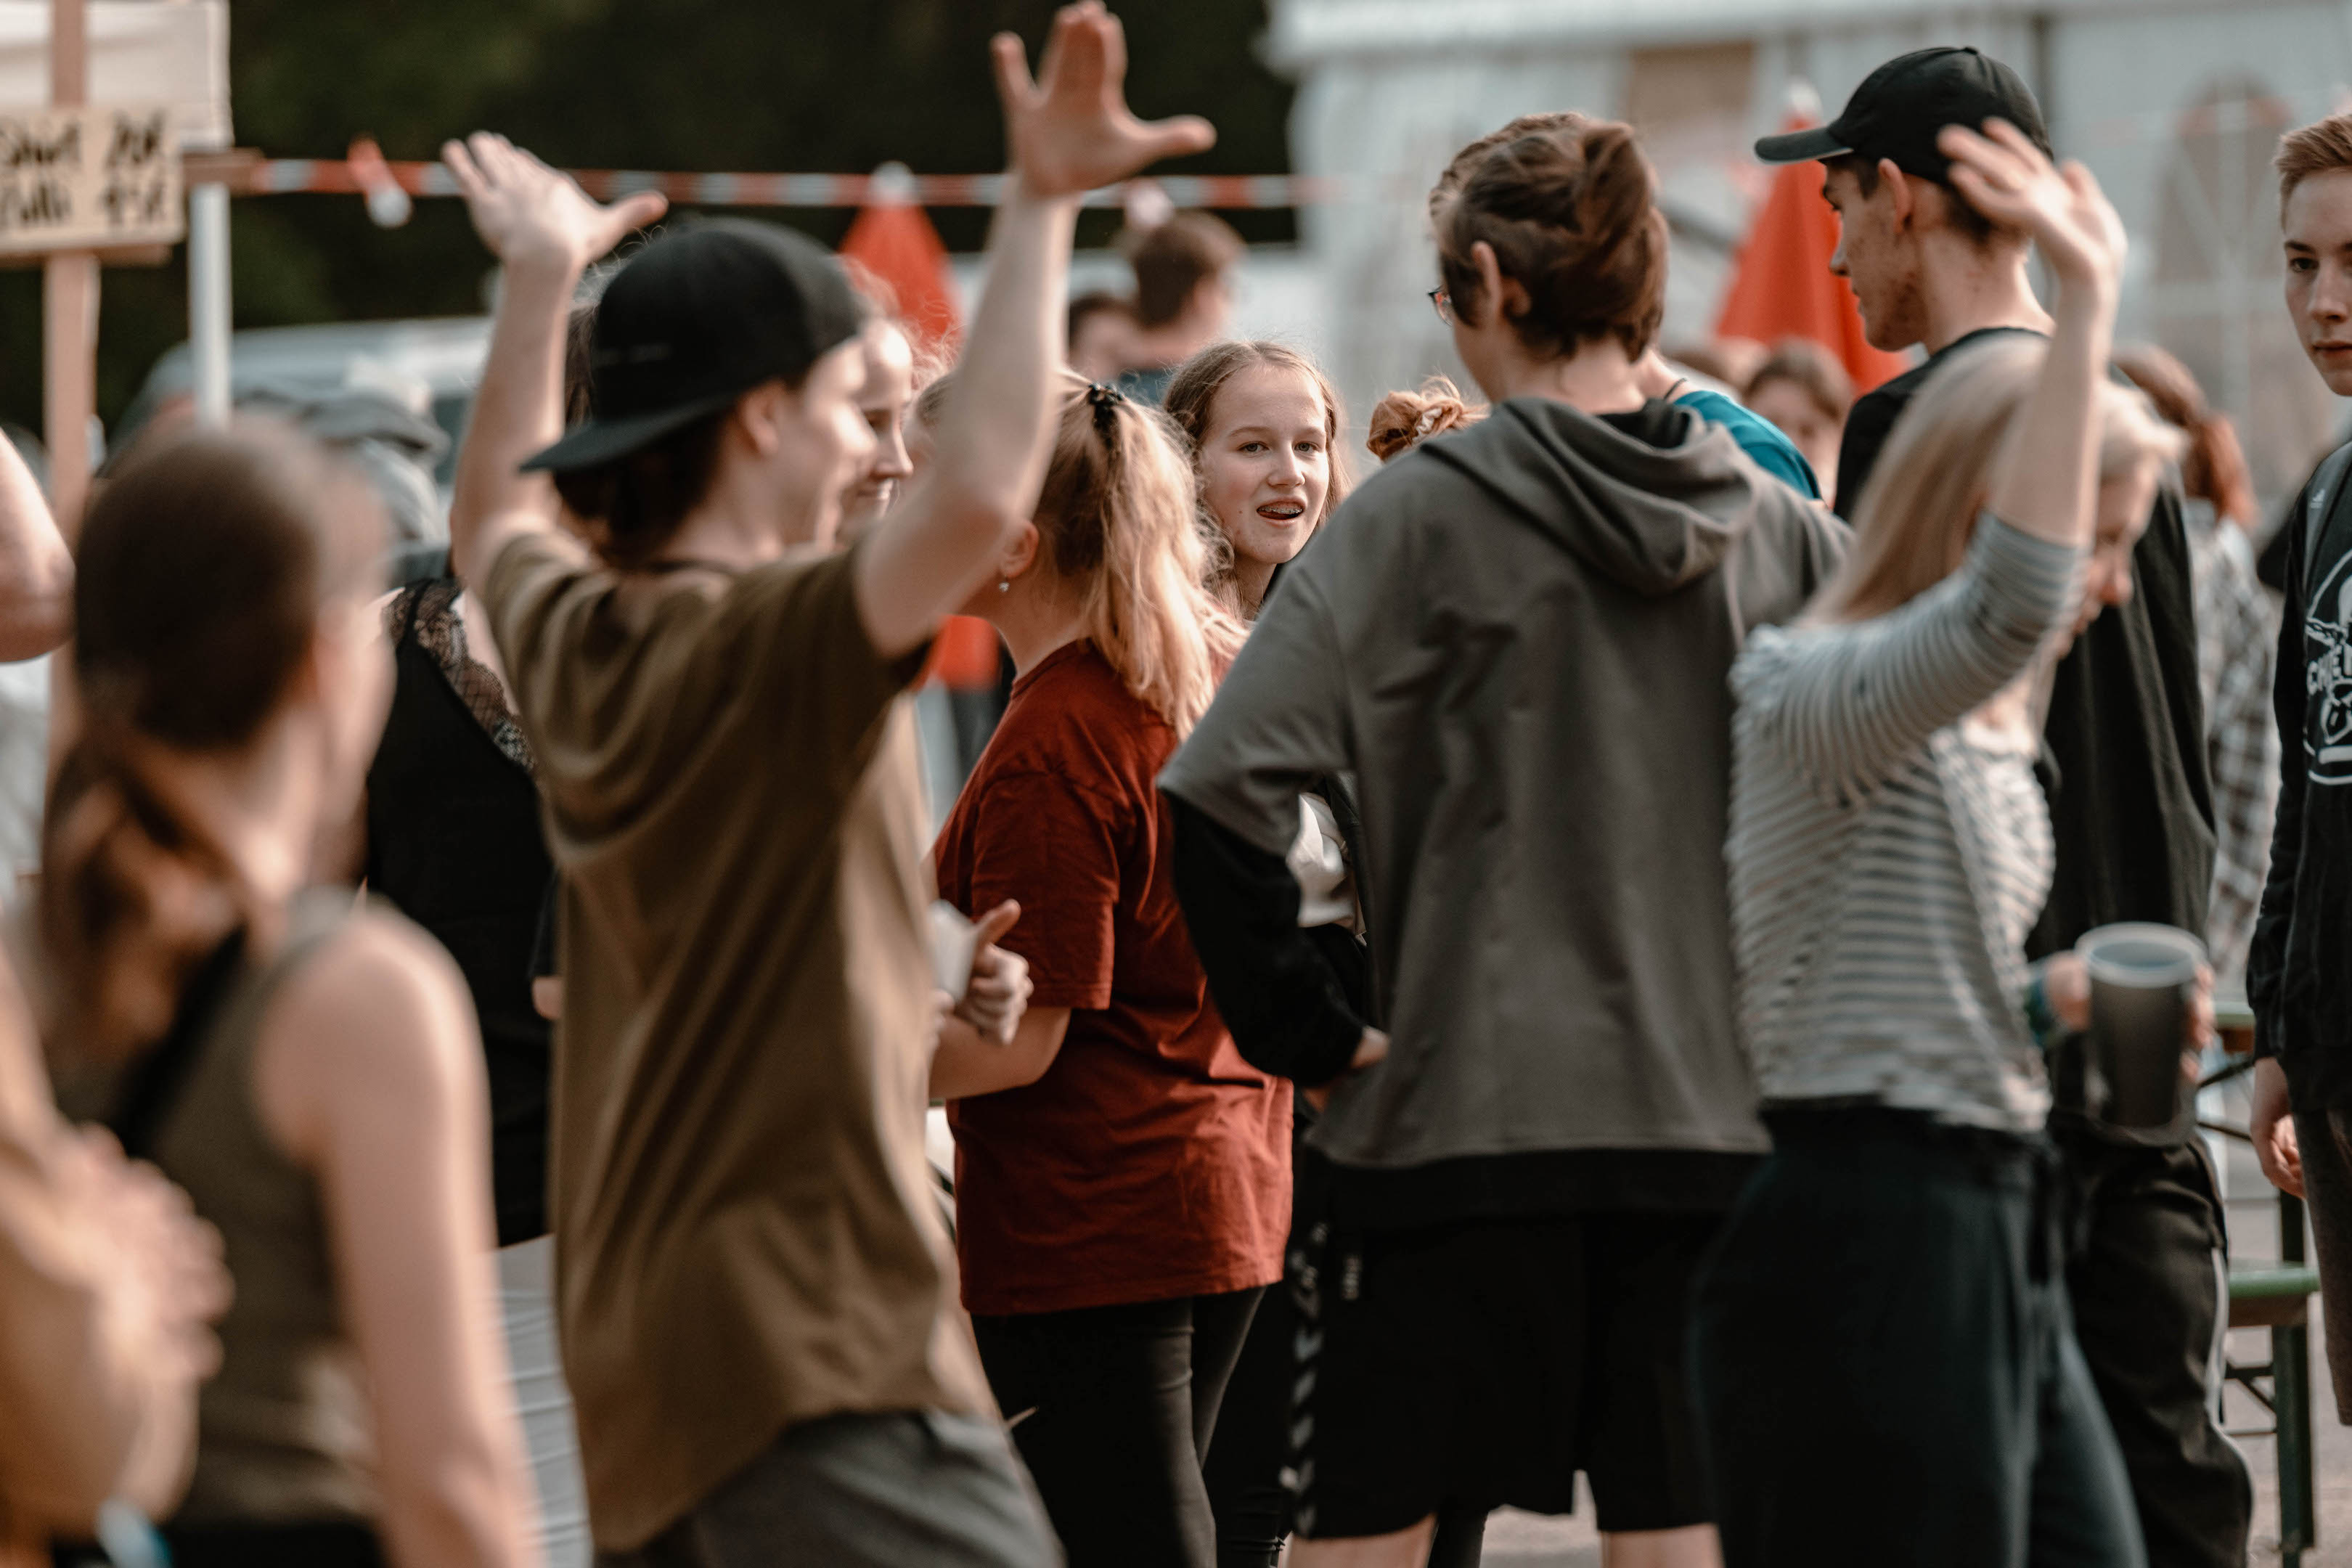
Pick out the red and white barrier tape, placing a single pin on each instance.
(287, 176)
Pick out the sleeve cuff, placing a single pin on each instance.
(1332, 1051)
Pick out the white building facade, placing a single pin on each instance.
(2176, 105)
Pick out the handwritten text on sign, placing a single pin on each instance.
(89, 179)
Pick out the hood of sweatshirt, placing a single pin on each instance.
(1651, 518)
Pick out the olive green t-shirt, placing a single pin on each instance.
(745, 1234)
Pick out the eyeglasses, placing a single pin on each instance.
(1443, 303)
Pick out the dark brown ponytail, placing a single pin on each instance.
(1570, 206)
(200, 574)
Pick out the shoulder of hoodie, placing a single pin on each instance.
(1432, 483)
(1428, 486)
(1401, 487)
(1783, 514)
(1399, 501)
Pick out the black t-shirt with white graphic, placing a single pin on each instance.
(2299, 974)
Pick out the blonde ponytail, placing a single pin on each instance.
(1119, 523)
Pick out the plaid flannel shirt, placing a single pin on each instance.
(2237, 653)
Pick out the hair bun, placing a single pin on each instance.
(1402, 420)
(1572, 214)
(1618, 188)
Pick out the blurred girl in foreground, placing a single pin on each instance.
(309, 1071)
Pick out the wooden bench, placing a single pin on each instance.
(2277, 1297)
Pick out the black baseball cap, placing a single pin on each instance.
(696, 320)
(1903, 106)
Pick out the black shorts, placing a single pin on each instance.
(1486, 1362)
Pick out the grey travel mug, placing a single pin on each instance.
(2143, 978)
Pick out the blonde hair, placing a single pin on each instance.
(1920, 510)
(1116, 520)
(2323, 147)
(1191, 402)
(1402, 420)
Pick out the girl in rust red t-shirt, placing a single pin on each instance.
(1123, 1177)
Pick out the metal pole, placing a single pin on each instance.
(208, 301)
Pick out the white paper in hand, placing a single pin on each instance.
(952, 948)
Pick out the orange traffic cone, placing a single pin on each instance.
(893, 239)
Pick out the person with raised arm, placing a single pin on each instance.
(757, 1300)
(447, 830)
(2123, 766)
(1883, 1353)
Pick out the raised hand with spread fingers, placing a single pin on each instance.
(1069, 131)
(547, 231)
(2002, 175)
(529, 214)
(2047, 484)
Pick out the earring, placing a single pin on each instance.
(1004, 584)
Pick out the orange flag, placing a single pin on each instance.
(1781, 286)
(893, 239)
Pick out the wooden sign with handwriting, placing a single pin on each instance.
(89, 179)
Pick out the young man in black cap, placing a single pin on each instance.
(2124, 765)
(756, 1295)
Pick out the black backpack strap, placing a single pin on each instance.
(152, 1085)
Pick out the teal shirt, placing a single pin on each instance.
(1757, 437)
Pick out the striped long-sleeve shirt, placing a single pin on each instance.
(1886, 864)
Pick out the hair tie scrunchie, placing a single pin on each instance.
(1105, 398)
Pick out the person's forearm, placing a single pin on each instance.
(88, 1418)
(2047, 487)
(994, 436)
(517, 410)
(461, 1509)
(967, 1063)
(37, 571)
(1273, 986)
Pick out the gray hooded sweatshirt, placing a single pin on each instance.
(1516, 638)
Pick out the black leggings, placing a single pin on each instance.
(1112, 1409)
(1244, 1472)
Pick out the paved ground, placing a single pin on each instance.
(1526, 1541)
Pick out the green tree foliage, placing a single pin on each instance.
(811, 85)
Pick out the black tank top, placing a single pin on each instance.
(454, 842)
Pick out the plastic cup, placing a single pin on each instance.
(2143, 978)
